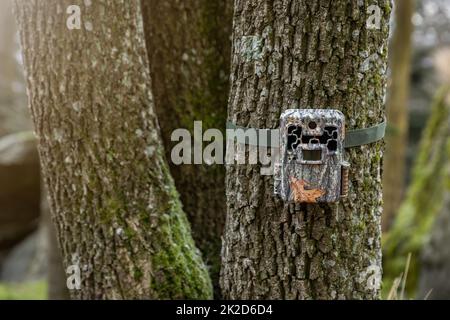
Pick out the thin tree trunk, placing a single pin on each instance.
(189, 49)
(56, 275)
(115, 206)
(305, 54)
(397, 111)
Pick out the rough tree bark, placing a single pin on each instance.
(112, 198)
(189, 49)
(397, 111)
(306, 54)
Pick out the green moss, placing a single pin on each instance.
(129, 232)
(110, 211)
(137, 274)
(179, 272)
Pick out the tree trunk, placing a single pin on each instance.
(189, 46)
(306, 54)
(397, 111)
(424, 200)
(116, 209)
(56, 275)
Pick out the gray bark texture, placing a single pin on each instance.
(113, 201)
(189, 47)
(306, 54)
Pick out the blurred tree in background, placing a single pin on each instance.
(397, 110)
(189, 48)
(14, 116)
(424, 199)
(435, 270)
(412, 228)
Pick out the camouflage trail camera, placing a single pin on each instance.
(312, 167)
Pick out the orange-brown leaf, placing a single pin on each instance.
(301, 194)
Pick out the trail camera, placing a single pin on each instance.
(312, 167)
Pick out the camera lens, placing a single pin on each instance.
(312, 125)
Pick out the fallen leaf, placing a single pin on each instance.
(301, 194)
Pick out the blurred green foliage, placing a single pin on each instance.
(24, 291)
(424, 200)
